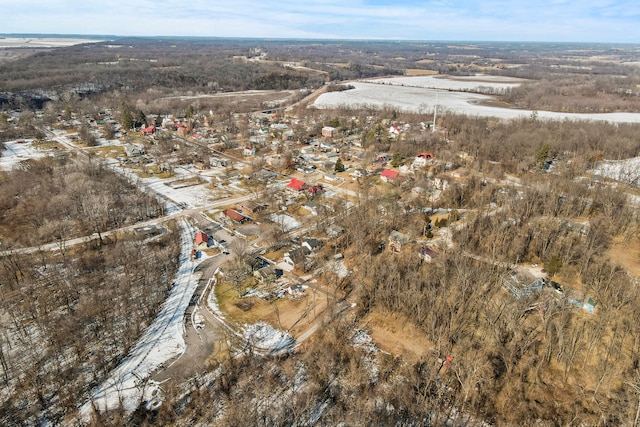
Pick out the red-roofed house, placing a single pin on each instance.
(422, 160)
(149, 130)
(389, 175)
(296, 185)
(201, 240)
(236, 216)
(315, 189)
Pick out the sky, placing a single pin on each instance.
(615, 21)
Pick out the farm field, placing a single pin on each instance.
(450, 98)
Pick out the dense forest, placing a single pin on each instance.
(56, 200)
(564, 77)
(69, 317)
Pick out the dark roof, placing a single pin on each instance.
(313, 243)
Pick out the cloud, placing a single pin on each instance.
(546, 20)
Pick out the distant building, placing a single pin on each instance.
(427, 254)
(329, 131)
(389, 175)
(253, 207)
(422, 160)
(149, 130)
(296, 185)
(397, 240)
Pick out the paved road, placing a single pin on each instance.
(202, 342)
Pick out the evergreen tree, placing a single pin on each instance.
(339, 165)
(396, 160)
(126, 118)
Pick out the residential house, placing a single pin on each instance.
(326, 146)
(264, 175)
(394, 131)
(296, 185)
(335, 231)
(253, 207)
(249, 151)
(296, 257)
(315, 190)
(423, 160)
(201, 240)
(236, 216)
(331, 177)
(329, 131)
(397, 240)
(149, 130)
(268, 274)
(312, 207)
(389, 175)
(427, 254)
(312, 244)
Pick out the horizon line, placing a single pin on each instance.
(101, 37)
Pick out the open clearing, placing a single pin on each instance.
(396, 334)
(418, 99)
(292, 315)
(626, 254)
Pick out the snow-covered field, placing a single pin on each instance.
(463, 83)
(287, 222)
(423, 100)
(16, 152)
(129, 383)
(627, 170)
(13, 42)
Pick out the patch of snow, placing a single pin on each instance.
(287, 222)
(266, 337)
(338, 267)
(212, 301)
(15, 152)
(627, 170)
(129, 384)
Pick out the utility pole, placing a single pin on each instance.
(435, 114)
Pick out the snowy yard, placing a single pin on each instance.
(288, 223)
(187, 197)
(15, 152)
(129, 383)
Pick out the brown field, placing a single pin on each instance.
(626, 254)
(395, 334)
(295, 315)
(419, 72)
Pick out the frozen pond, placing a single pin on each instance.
(415, 97)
